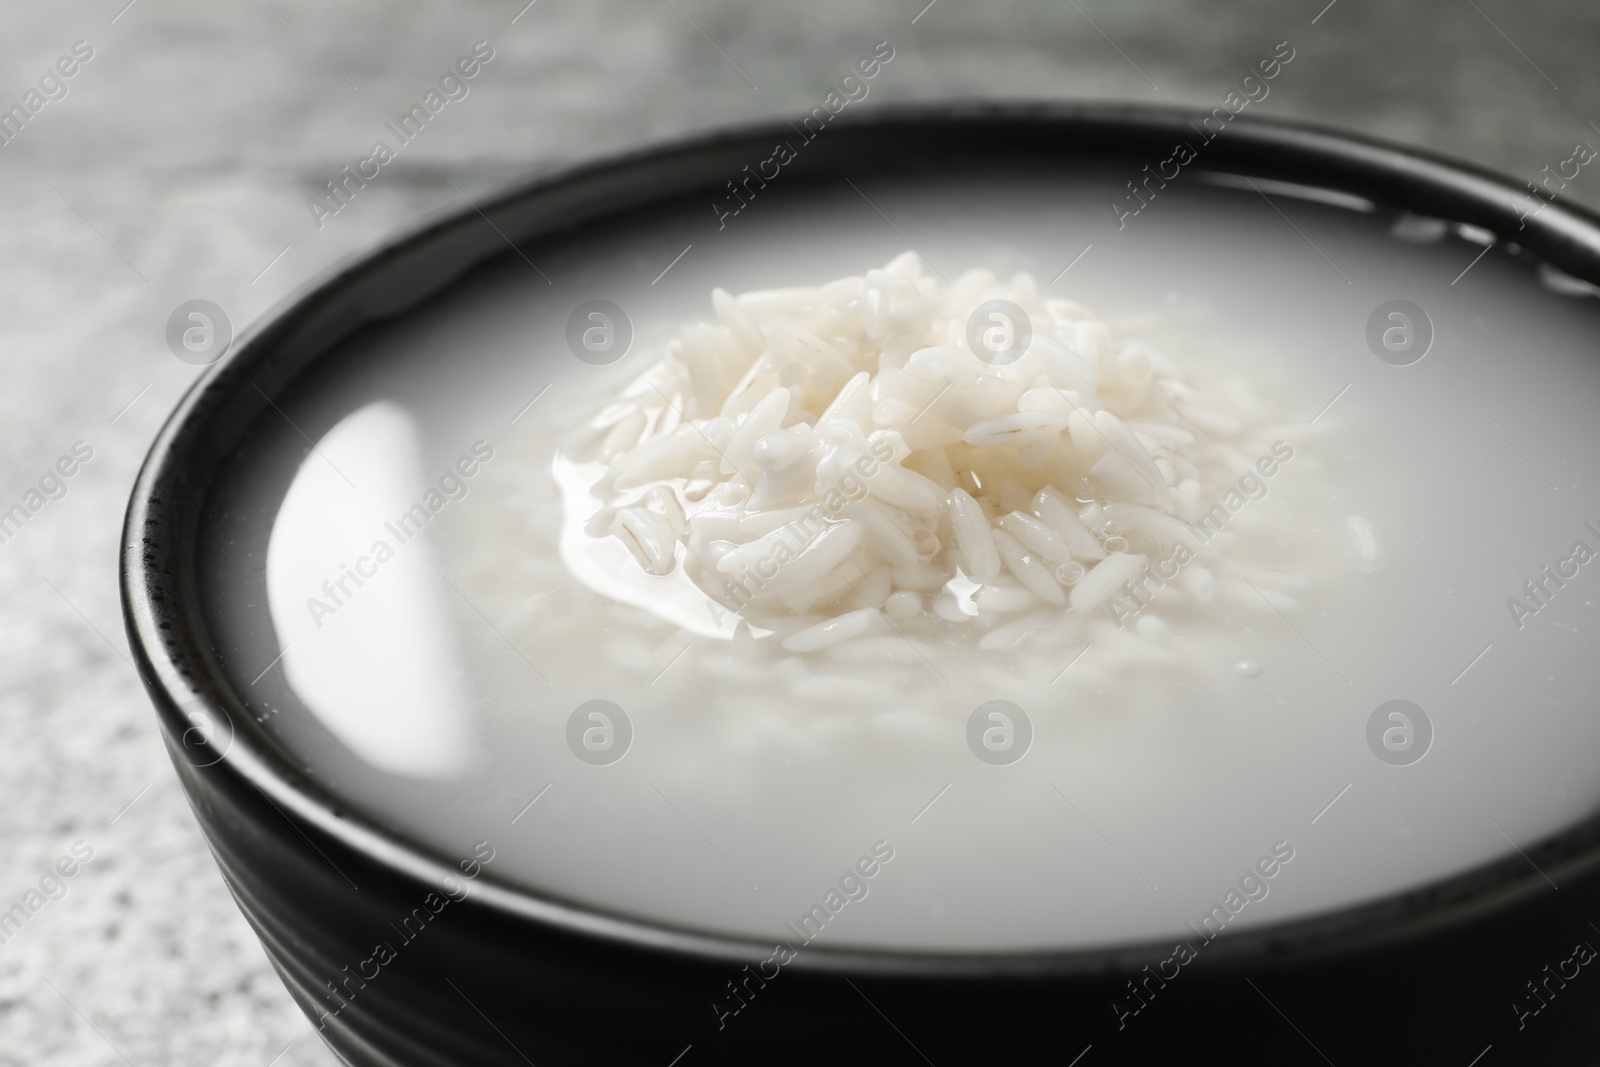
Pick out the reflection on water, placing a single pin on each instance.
(360, 602)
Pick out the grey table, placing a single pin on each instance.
(177, 165)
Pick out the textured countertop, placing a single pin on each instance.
(177, 166)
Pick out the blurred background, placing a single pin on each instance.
(175, 163)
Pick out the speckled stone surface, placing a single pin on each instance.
(178, 165)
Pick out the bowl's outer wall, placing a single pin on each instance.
(502, 977)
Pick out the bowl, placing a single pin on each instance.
(405, 950)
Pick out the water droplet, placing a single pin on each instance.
(1070, 572)
(1248, 668)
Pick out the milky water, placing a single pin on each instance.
(437, 696)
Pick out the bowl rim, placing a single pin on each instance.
(166, 628)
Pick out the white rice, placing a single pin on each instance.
(835, 466)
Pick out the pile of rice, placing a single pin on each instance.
(841, 469)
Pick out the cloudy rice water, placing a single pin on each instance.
(841, 546)
(1085, 584)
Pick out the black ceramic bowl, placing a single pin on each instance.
(1439, 975)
